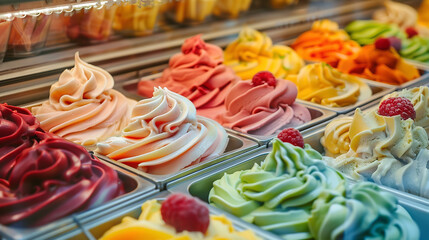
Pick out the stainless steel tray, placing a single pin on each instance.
(236, 146)
(318, 115)
(134, 186)
(201, 186)
(95, 229)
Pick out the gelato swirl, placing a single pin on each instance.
(253, 52)
(197, 73)
(325, 42)
(296, 196)
(419, 97)
(336, 140)
(320, 83)
(367, 31)
(380, 65)
(366, 213)
(388, 151)
(278, 195)
(19, 130)
(416, 48)
(151, 225)
(262, 109)
(83, 107)
(165, 135)
(53, 179)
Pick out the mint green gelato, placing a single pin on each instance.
(296, 196)
(366, 32)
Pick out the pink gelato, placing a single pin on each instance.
(198, 73)
(262, 109)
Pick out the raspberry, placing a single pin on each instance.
(292, 136)
(264, 77)
(395, 43)
(397, 106)
(382, 43)
(185, 213)
(411, 32)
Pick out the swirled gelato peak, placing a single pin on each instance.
(165, 135)
(325, 42)
(53, 179)
(83, 107)
(263, 109)
(19, 130)
(197, 73)
(254, 51)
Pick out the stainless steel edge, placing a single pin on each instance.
(89, 226)
(175, 184)
(162, 180)
(243, 162)
(96, 228)
(143, 187)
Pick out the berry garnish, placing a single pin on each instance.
(292, 136)
(185, 213)
(264, 77)
(395, 43)
(382, 43)
(397, 106)
(411, 32)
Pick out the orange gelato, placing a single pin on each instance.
(380, 65)
(325, 42)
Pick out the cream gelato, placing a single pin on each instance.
(253, 52)
(197, 73)
(150, 224)
(320, 83)
(165, 135)
(262, 109)
(293, 194)
(83, 107)
(386, 150)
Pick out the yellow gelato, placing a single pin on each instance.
(336, 138)
(320, 83)
(253, 52)
(151, 226)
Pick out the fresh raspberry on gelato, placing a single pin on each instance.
(397, 106)
(185, 213)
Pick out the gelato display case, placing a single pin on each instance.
(280, 119)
